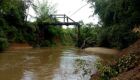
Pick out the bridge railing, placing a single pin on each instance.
(65, 18)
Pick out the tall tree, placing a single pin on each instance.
(43, 9)
(118, 18)
(117, 11)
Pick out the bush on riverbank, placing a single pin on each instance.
(117, 36)
(88, 36)
(3, 44)
(128, 63)
(118, 18)
(3, 39)
(125, 63)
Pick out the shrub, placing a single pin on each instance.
(105, 71)
(47, 43)
(88, 35)
(29, 33)
(3, 43)
(2, 34)
(19, 37)
(118, 36)
(68, 36)
(125, 63)
(122, 64)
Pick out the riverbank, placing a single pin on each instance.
(132, 71)
(19, 46)
(101, 50)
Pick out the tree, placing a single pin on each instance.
(117, 11)
(119, 16)
(44, 10)
(46, 33)
(13, 24)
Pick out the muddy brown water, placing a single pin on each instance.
(46, 64)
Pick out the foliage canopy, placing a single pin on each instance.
(118, 18)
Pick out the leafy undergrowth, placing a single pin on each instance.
(126, 67)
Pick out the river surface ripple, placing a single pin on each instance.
(46, 64)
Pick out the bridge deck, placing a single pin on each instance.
(63, 23)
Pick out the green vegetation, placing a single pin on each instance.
(117, 18)
(120, 65)
(46, 35)
(68, 36)
(89, 35)
(14, 26)
(3, 44)
(12, 22)
(117, 36)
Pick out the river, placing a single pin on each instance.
(46, 64)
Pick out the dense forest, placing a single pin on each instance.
(118, 18)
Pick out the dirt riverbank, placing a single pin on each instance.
(131, 74)
(19, 46)
(101, 50)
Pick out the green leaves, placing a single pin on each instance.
(117, 11)
(118, 18)
(13, 27)
(88, 35)
(126, 62)
(3, 43)
(122, 64)
(118, 36)
(43, 10)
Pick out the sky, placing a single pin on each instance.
(69, 7)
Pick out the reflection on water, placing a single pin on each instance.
(70, 70)
(28, 75)
(46, 64)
